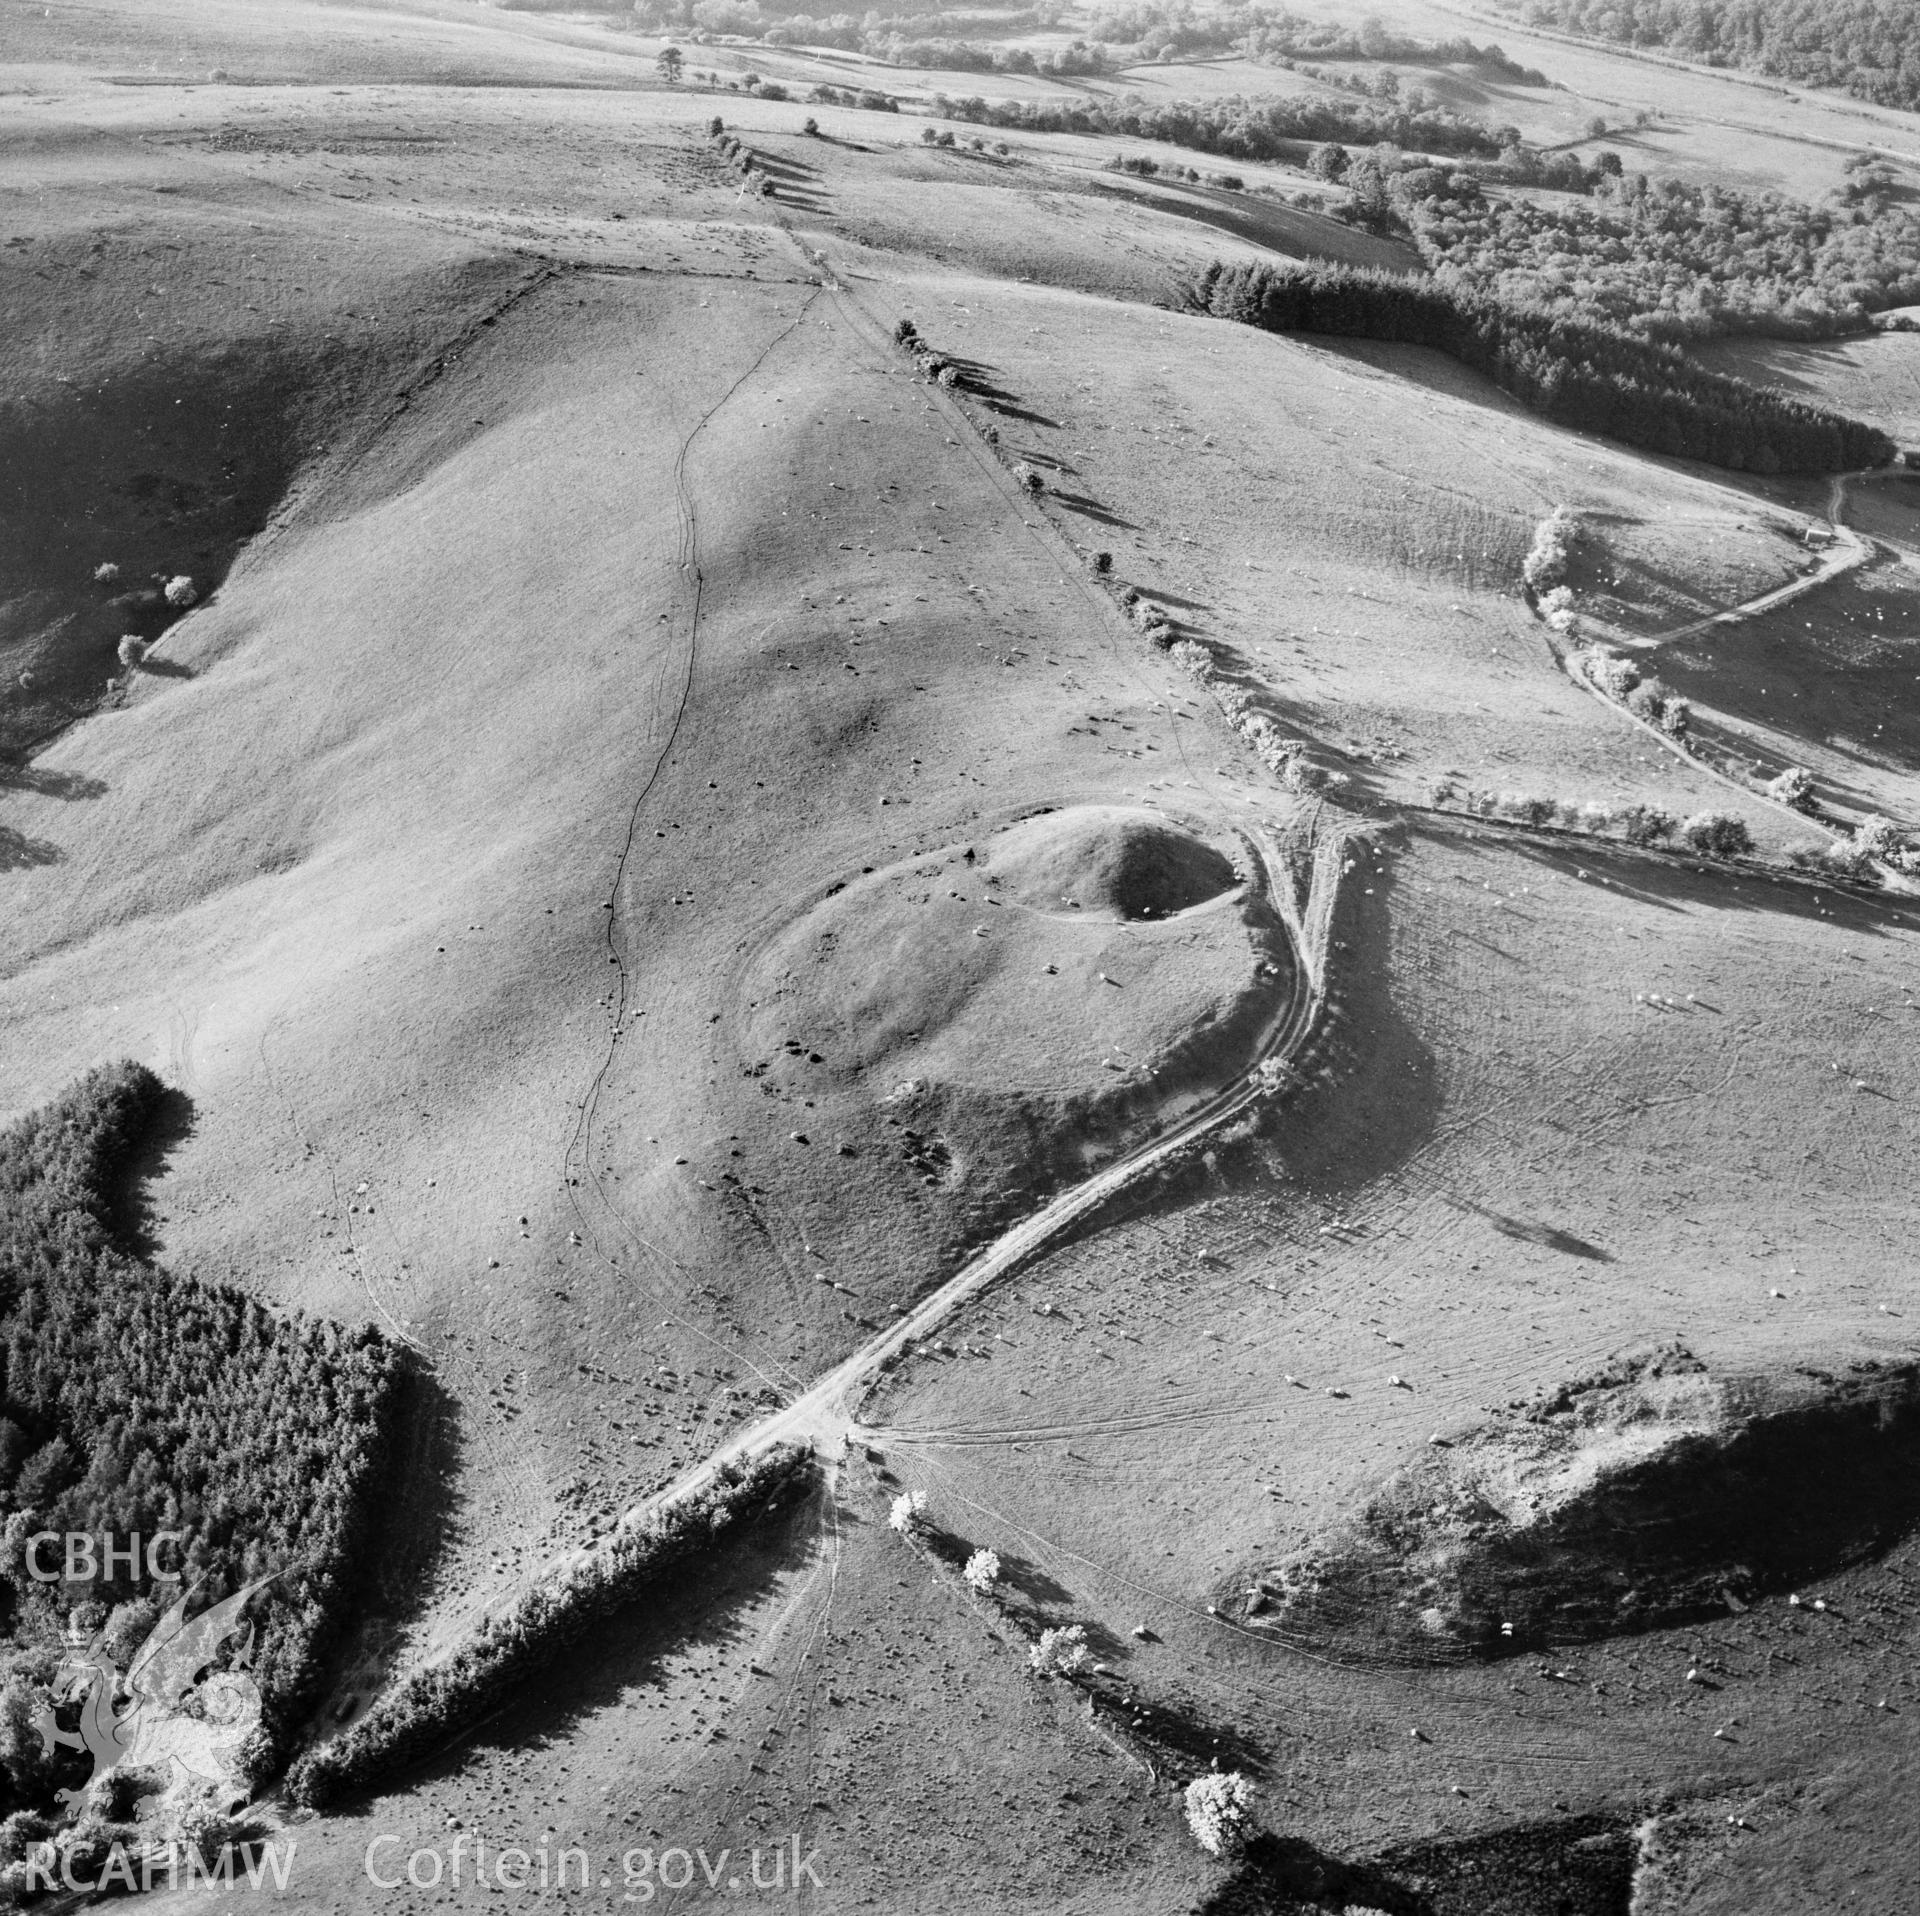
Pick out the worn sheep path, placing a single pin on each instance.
(1298, 883)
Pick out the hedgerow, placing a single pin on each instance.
(1718, 834)
(438, 1700)
(1238, 128)
(1547, 560)
(1591, 377)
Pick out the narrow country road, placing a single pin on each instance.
(1854, 552)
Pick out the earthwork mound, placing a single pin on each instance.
(1088, 969)
(1103, 858)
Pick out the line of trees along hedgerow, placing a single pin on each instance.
(134, 1401)
(437, 1701)
(1869, 47)
(1237, 127)
(1593, 378)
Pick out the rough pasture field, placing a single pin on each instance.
(653, 846)
(1544, 1138)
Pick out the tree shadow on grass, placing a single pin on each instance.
(1033, 1583)
(130, 1204)
(18, 852)
(165, 668)
(1176, 1734)
(1286, 1876)
(1687, 881)
(785, 169)
(50, 784)
(1091, 509)
(1530, 1232)
(1161, 596)
(421, 1519)
(1048, 461)
(1581, 1866)
(1010, 408)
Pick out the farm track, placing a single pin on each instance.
(1856, 552)
(826, 1415)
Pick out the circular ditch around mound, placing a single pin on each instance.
(1093, 963)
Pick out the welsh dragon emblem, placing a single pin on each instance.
(171, 1704)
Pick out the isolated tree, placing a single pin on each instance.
(1217, 1806)
(1060, 1653)
(908, 1515)
(982, 1571)
(670, 61)
(132, 650)
(1792, 788)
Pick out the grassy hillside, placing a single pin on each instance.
(667, 827)
(1543, 1137)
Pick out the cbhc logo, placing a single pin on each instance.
(83, 1564)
